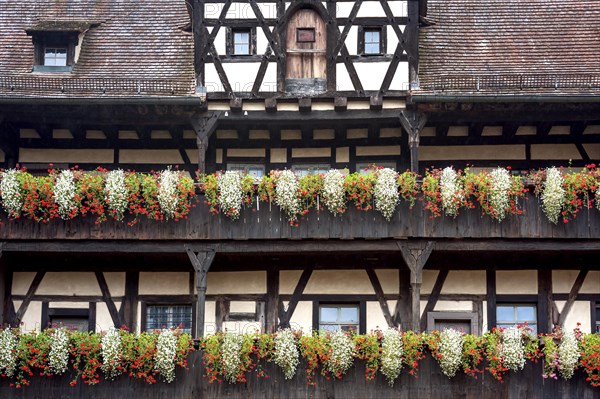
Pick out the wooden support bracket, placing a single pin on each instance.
(413, 122)
(415, 257)
(201, 262)
(204, 126)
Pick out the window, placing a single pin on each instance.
(372, 40)
(169, 316)
(255, 170)
(337, 317)
(77, 319)
(241, 41)
(310, 169)
(55, 56)
(54, 51)
(363, 167)
(597, 326)
(511, 315)
(461, 321)
(305, 35)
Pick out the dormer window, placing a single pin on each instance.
(54, 45)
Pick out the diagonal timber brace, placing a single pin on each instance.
(201, 262)
(204, 126)
(413, 122)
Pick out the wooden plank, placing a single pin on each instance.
(572, 296)
(272, 305)
(544, 305)
(433, 298)
(380, 297)
(27, 300)
(296, 295)
(491, 298)
(130, 304)
(110, 304)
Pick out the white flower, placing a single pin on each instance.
(597, 197)
(499, 199)
(59, 351)
(10, 192)
(64, 194)
(451, 345)
(168, 198)
(286, 194)
(230, 193)
(111, 353)
(391, 354)
(386, 192)
(230, 356)
(164, 358)
(513, 349)
(553, 195)
(568, 355)
(341, 353)
(8, 352)
(116, 193)
(333, 191)
(450, 191)
(286, 353)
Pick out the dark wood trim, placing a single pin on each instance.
(516, 298)
(403, 305)
(110, 304)
(130, 305)
(593, 305)
(362, 311)
(380, 297)
(544, 311)
(490, 282)
(45, 320)
(92, 317)
(286, 316)
(201, 262)
(451, 315)
(573, 294)
(221, 313)
(89, 313)
(30, 293)
(272, 305)
(67, 298)
(165, 300)
(433, 297)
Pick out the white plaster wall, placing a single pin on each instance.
(375, 318)
(157, 156)
(429, 277)
(351, 39)
(516, 282)
(471, 152)
(48, 155)
(164, 283)
(389, 280)
(242, 307)
(32, 317)
(399, 8)
(211, 79)
(342, 77)
(400, 79)
(236, 283)
(269, 82)
(302, 317)
(242, 327)
(484, 321)
(241, 75)
(371, 74)
(21, 282)
(210, 327)
(116, 283)
(261, 41)
(463, 306)
(69, 305)
(339, 282)
(465, 282)
(591, 285)
(103, 320)
(72, 283)
(288, 279)
(580, 313)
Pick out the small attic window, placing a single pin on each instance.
(54, 45)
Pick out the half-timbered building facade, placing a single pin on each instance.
(306, 85)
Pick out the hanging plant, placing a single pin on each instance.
(167, 193)
(116, 193)
(286, 194)
(64, 194)
(10, 192)
(164, 358)
(340, 356)
(553, 194)
(568, 354)
(230, 193)
(8, 351)
(391, 354)
(333, 192)
(450, 351)
(386, 192)
(513, 349)
(111, 354)
(286, 353)
(451, 192)
(59, 351)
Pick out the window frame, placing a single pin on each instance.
(298, 168)
(43, 40)
(82, 312)
(472, 317)
(244, 167)
(595, 307)
(362, 30)
(515, 304)
(169, 302)
(361, 166)
(230, 40)
(362, 312)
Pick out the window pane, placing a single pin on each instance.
(70, 323)
(165, 316)
(329, 327)
(371, 48)
(505, 313)
(525, 313)
(349, 315)
(329, 315)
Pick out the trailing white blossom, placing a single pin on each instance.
(597, 197)
(8, 352)
(58, 357)
(450, 191)
(553, 195)
(386, 192)
(451, 345)
(10, 192)
(341, 353)
(391, 354)
(164, 358)
(333, 191)
(568, 355)
(286, 353)
(116, 193)
(167, 192)
(64, 194)
(111, 353)
(230, 356)
(513, 349)
(499, 199)
(286, 194)
(230, 193)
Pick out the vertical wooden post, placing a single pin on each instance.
(416, 256)
(3, 287)
(490, 278)
(413, 122)
(412, 43)
(403, 306)
(204, 126)
(201, 262)
(272, 317)
(545, 301)
(199, 37)
(130, 304)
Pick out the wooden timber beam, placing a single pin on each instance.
(433, 297)
(413, 122)
(415, 256)
(402, 311)
(204, 126)
(572, 297)
(27, 300)
(286, 315)
(490, 278)
(110, 304)
(130, 304)
(201, 262)
(380, 297)
(545, 300)
(272, 305)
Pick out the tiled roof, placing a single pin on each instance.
(129, 44)
(511, 46)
